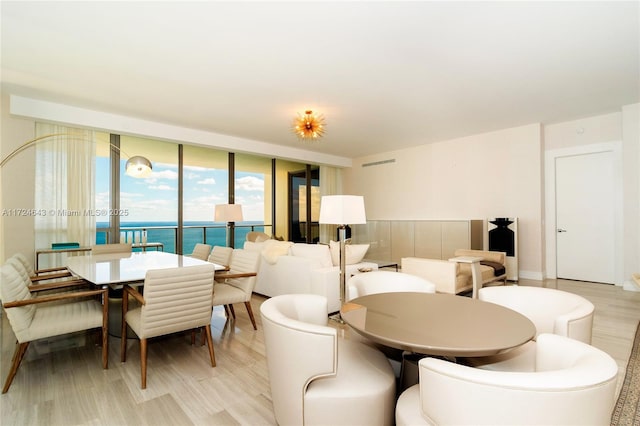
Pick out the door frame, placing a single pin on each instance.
(550, 203)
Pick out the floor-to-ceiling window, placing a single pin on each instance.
(175, 205)
(205, 183)
(150, 204)
(304, 205)
(254, 192)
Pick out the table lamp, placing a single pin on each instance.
(342, 210)
(229, 213)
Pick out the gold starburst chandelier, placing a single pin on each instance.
(309, 125)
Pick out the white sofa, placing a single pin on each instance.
(298, 268)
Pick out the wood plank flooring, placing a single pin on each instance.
(61, 381)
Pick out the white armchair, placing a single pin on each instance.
(551, 311)
(317, 378)
(572, 383)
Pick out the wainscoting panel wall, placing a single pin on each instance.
(392, 240)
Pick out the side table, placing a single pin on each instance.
(476, 274)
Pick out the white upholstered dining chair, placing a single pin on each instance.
(34, 318)
(551, 311)
(175, 299)
(570, 383)
(221, 255)
(111, 248)
(41, 274)
(317, 378)
(236, 285)
(201, 251)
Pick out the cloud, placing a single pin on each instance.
(208, 181)
(250, 183)
(161, 187)
(164, 174)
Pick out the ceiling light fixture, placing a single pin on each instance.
(309, 125)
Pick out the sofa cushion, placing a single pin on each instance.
(271, 250)
(354, 252)
(319, 252)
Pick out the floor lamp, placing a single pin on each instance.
(136, 166)
(229, 213)
(342, 210)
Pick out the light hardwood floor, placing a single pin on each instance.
(61, 381)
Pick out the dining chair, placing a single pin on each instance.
(41, 274)
(111, 248)
(175, 299)
(221, 255)
(387, 282)
(570, 383)
(317, 378)
(236, 285)
(33, 318)
(115, 294)
(45, 287)
(201, 251)
(551, 311)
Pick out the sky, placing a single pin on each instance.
(155, 198)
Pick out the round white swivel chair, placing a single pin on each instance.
(387, 282)
(551, 311)
(571, 383)
(317, 378)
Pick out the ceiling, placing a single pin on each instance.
(386, 75)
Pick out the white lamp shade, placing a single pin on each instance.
(342, 210)
(228, 213)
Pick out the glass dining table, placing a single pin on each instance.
(118, 268)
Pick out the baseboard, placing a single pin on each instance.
(531, 275)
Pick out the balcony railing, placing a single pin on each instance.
(192, 235)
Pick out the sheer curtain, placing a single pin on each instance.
(65, 186)
(330, 184)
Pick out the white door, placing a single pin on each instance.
(585, 217)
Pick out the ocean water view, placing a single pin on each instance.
(193, 233)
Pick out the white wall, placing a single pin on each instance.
(16, 187)
(496, 174)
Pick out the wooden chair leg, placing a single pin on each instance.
(143, 362)
(123, 329)
(226, 311)
(18, 355)
(212, 355)
(250, 312)
(105, 330)
(233, 312)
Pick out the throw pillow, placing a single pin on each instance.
(319, 252)
(262, 238)
(354, 252)
(273, 249)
